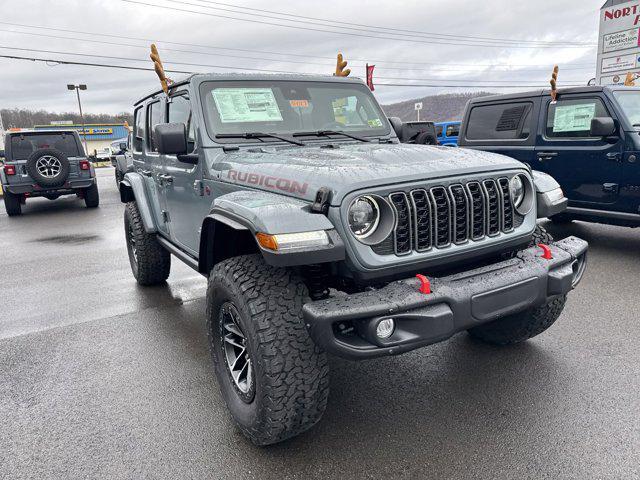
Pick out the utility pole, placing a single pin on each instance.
(77, 88)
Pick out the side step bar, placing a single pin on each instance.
(185, 257)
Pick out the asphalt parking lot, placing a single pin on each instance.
(100, 378)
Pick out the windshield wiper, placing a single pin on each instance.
(259, 136)
(326, 133)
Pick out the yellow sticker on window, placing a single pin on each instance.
(299, 103)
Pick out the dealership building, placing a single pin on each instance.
(99, 136)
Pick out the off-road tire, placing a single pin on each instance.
(523, 325)
(12, 204)
(540, 235)
(561, 219)
(48, 182)
(92, 196)
(150, 263)
(426, 138)
(290, 373)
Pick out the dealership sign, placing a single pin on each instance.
(619, 42)
(95, 131)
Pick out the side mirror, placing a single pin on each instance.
(396, 123)
(171, 138)
(602, 127)
(123, 147)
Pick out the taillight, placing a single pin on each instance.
(10, 169)
(84, 165)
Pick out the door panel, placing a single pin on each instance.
(589, 170)
(148, 163)
(186, 202)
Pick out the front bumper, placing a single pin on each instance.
(345, 325)
(36, 190)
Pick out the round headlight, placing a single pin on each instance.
(517, 191)
(364, 215)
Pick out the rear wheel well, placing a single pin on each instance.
(219, 241)
(126, 193)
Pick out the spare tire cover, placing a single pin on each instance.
(48, 167)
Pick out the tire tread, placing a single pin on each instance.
(294, 385)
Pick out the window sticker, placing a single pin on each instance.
(574, 118)
(245, 105)
(375, 123)
(299, 103)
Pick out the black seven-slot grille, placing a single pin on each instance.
(441, 216)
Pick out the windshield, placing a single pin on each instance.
(285, 108)
(630, 104)
(25, 144)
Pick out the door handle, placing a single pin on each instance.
(543, 156)
(165, 178)
(610, 187)
(614, 157)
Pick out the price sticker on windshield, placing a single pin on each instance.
(246, 105)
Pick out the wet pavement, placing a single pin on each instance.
(100, 378)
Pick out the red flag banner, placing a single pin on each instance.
(370, 76)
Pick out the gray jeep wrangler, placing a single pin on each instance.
(321, 234)
(47, 164)
(122, 160)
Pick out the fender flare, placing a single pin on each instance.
(132, 189)
(243, 214)
(550, 199)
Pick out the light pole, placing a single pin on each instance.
(77, 88)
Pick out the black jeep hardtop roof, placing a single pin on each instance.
(235, 76)
(547, 92)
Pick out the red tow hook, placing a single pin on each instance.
(425, 284)
(546, 251)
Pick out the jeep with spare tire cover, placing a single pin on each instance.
(320, 233)
(46, 164)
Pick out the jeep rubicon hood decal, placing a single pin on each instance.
(300, 172)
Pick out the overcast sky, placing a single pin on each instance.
(38, 85)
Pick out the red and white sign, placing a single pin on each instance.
(617, 64)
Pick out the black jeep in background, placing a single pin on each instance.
(588, 140)
(46, 164)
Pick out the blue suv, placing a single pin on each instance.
(447, 133)
(588, 140)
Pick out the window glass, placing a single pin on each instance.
(509, 121)
(22, 146)
(180, 112)
(572, 118)
(453, 130)
(630, 103)
(287, 107)
(138, 135)
(438, 130)
(155, 116)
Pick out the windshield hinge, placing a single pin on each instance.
(322, 201)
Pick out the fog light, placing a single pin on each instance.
(385, 328)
